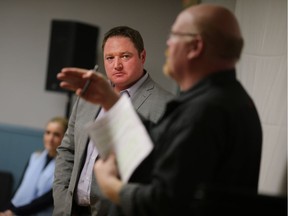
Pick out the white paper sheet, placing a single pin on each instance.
(121, 129)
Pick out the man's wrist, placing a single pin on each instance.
(114, 192)
(110, 102)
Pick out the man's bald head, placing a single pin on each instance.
(219, 28)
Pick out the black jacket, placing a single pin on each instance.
(209, 137)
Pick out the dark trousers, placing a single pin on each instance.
(81, 210)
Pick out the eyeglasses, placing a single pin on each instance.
(181, 34)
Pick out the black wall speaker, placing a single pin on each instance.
(72, 44)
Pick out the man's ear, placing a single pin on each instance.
(143, 56)
(196, 47)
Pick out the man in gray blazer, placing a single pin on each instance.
(75, 189)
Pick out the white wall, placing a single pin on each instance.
(24, 48)
(263, 72)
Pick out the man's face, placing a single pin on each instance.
(175, 58)
(173, 55)
(176, 53)
(168, 67)
(122, 62)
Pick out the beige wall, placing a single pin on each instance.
(24, 42)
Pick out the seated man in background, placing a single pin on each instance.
(34, 194)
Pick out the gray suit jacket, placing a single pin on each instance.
(149, 100)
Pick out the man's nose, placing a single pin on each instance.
(118, 63)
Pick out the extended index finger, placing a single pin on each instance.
(72, 71)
